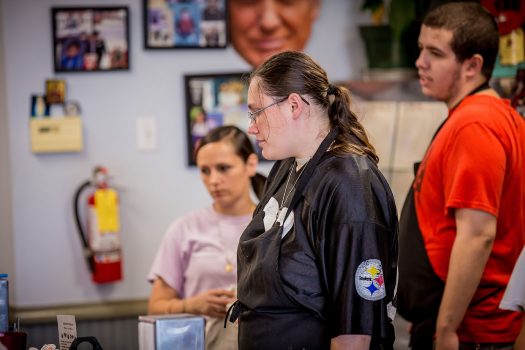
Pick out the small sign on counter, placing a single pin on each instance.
(67, 330)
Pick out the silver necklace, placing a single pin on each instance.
(286, 195)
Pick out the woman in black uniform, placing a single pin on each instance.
(317, 264)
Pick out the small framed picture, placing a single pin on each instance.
(39, 106)
(170, 24)
(55, 91)
(88, 39)
(213, 100)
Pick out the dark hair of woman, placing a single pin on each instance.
(242, 146)
(295, 72)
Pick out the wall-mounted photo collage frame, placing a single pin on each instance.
(213, 100)
(90, 39)
(189, 24)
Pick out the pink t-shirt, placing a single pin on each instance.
(196, 250)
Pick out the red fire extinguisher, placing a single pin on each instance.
(102, 246)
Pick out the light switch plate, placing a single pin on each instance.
(146, 133)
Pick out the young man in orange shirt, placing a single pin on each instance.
(463, 224)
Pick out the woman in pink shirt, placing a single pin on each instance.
(195, 268)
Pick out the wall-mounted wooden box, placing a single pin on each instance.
(62, 134)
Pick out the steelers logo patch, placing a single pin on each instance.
(369, 281)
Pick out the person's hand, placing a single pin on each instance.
(210, 303)
(447, 340)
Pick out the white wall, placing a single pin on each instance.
(156, 187)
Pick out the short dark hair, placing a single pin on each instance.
(73, 43)
(474, 31)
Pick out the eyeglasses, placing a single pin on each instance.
(253, 115)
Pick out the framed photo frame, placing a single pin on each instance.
(55, 91)
(39, 106)
(188, 24)
(90, 39)
(213, 100)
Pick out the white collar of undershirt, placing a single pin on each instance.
(300, 162)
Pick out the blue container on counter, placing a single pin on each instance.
(4, 303)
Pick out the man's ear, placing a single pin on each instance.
(473, 66)
(316, 7)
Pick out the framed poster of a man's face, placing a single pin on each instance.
(260, 29)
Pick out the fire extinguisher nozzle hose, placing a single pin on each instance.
(88, 253)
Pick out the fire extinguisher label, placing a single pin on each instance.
(106, 206)
(105, 258)
(104, 225)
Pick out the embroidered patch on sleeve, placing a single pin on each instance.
(369, 281)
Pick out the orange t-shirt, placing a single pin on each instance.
(477, 161)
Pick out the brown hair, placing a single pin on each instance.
(291, 71)
(474, 31)
(242, 146)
